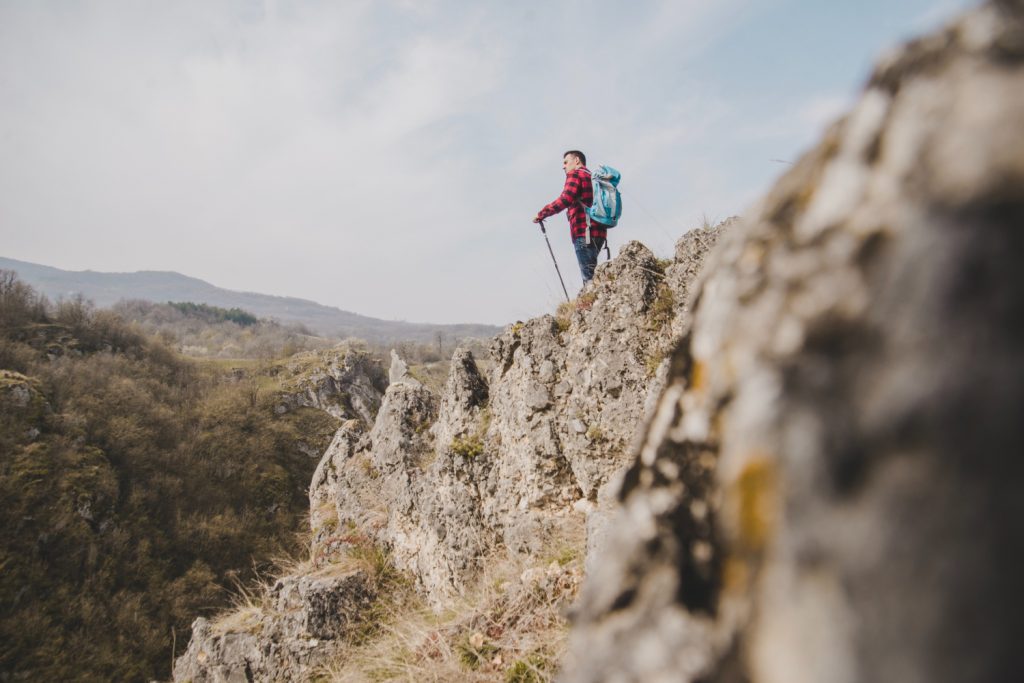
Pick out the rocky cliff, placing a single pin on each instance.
(824, 487)
(501, 465)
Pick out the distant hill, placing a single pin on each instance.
(106, 289)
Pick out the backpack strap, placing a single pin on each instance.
(585, 215)
(584, 206)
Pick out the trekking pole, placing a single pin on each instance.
(554, 260)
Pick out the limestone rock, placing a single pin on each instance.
(829, 487)
(347, 384)
(691, 251)
(507, 456)
(465, 396)
(306, 619)
(326, 605)
(323, 514)
(399, 371)
(614, 344)
(500, 461)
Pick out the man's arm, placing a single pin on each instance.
(570, 195)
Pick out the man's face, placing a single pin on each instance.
(570, 163)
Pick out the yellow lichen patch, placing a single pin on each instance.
(698, 376)
(757, 492)
(735, 576)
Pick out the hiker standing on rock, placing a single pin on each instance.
(578, 193)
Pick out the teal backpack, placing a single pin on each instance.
(607, 206)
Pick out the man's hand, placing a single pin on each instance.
(537, 218)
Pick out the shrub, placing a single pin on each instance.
(468, 446)
(662, 309)
(215, 313)
(19, 303)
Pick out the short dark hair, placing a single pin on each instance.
(578, 154)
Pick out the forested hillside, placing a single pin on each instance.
(139, 487)
(205, 331)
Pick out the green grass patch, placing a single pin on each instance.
(534, 668)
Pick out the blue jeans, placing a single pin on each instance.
(587, 254)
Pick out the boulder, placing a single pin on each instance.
(303, 619)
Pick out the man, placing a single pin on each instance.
(576, 195)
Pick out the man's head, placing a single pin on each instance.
(573, 159)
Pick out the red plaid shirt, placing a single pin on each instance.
(577, 188)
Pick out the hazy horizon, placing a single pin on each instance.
(30, 278)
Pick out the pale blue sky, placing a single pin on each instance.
(386, 157)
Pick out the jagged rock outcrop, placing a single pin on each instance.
(463, 401)
(346, 383)
(829, 488)
(505, 458)
(503, 463)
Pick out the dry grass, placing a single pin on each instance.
(468, 447)
(248, 607)
(563, 315)
(334, 556)
(509, 627)
(432, 375)
(241, 619)
(565, 311)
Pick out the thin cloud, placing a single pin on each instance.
(384, 157)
